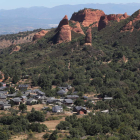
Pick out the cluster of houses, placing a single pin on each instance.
(68, 101)
(78, 109)
(31, 97)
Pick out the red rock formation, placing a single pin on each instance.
(117, 17)
(95, 24)
(87, 16)
(64, 34)
(104, 20)
(64, 31)
(88, 39)
(64, 21)
(40, 34)
(96, 17)
(77, 27)
(129, 26)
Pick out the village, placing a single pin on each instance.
(25, 95)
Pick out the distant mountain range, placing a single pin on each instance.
(23, 19)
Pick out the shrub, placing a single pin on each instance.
(45, 136)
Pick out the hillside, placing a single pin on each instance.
(15, 39)
(110, 44)
(96, 62)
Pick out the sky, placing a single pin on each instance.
(13, 4)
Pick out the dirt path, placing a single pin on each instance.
(69, 65)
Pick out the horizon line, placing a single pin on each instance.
(70, 5)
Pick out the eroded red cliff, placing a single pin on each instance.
(77, 27)
(63, 22)
(64, 31)
(104, 20)
(87, 16)
(40, 34)
(88, 39)
(117, 17)
(96, 18)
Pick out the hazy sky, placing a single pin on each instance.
(12, 4)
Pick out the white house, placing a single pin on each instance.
(57, 109)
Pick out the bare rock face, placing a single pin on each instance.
(130, 25)
(77, 27)
(64, 31)
(95, 24)
(96, 18)
(102, 23)
(63, 22)
(88, 16)
(64, 34)
(40, 34)
(117, 17)
(88, 39)
(15, 49)
(104, 20)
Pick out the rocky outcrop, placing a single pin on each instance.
(96, 18)
(102, 23)
(15, 49)
(7, 42)
(77, 27)
(88, 39)
(40, 34)
(104, 20)
(64, 31)
(130, 25)
(63, 22)
(64, 34)
(95, 24)
(117, 17)
(88, 16)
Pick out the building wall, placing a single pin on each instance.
(81, 112)
(4, 100)
(6, 107)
